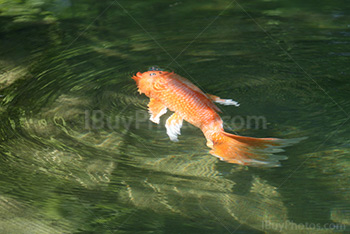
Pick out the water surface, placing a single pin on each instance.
(78, 154)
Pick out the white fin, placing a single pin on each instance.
(173, 126)
(156, 119)
(227, 102)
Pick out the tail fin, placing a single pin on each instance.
(250, 151)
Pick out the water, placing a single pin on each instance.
(78, 154)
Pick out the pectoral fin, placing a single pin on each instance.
(156, 109)
(222, 101)
(173, 126)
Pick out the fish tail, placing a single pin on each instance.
(259, 152)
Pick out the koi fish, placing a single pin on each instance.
(168, 90)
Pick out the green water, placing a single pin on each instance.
(79, 155)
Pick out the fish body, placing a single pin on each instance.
(168, 90)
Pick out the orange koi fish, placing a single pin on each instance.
(168, 90)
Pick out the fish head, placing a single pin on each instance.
(145, 80)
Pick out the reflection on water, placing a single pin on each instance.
(58, 65)
(19, 218)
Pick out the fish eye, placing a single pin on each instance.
(152, 74)
(160, 72)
